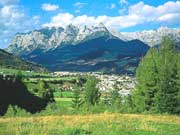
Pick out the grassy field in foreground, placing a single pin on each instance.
(95, 124)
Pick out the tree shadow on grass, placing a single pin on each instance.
(14, 92)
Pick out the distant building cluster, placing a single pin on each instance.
(122, 83)
(108, 82)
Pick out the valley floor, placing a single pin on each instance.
(91, 124)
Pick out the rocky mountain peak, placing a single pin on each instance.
(102, 26)
(52, 37)
(71, 29)
(153, 37)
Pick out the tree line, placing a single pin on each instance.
(14, 92)
(158, 80)
(157, 88)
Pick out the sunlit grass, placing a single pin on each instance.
(63, 99)
(95, 124)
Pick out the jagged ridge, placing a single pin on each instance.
(79, 49)
(152, 37)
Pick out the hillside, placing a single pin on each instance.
(8, 60)
(79, 49)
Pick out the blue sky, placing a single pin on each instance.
(121, 15)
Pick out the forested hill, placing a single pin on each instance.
(8, 60)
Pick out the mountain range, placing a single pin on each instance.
(87, 48)
(153, 37)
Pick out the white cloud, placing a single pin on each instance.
(112, 6)
(60, 20)
(13, 20)
(79, 4)
(9, 2)
(64, 19)
(122, 11)
(49, 7)
(169, 10)
(137, 14)
(124, 2)
(169, 19)
(36, 19)
(11, 12)
(10, 16)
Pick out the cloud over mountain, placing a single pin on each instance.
(139, 13)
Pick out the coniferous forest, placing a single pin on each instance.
(158, 80)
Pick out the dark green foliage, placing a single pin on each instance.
(91, 93)
(77, 100)
(166, 99)
(43, 86)
(11, 61)
(19, 75)
(45, 92)
(14, 92)
(126, 105)
(16, 111)
(158, 80)
(146, 76)
(116, 100)
(114, 96)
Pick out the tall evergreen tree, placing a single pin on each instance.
(166, 99)
(45, 92)
(77, 101)
(146, 76)
(92, 94)
(158, 80)
(178, 82)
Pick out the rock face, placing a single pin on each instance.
(79, 49)
(50, 38)
(152, 37)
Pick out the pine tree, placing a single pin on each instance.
(77, 100)
(146, 88)
(158, 80)
(19, 75)
(116, 98)
(178, 83)
(92, 94)
(168, 87)
(45, 92)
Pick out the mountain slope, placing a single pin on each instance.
(8, 60)
(50, 38)
(79, 49)
(151, 37)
